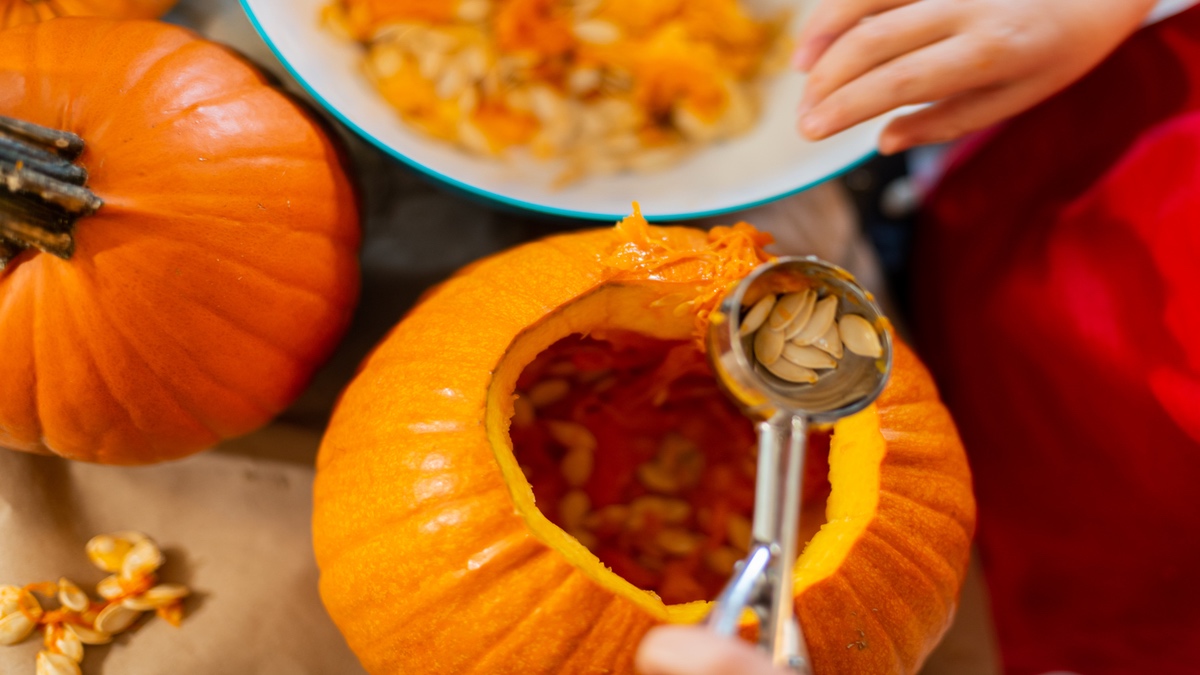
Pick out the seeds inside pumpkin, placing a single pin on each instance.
(798, 336)
(667, 502)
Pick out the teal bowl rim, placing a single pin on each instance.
(510, 202)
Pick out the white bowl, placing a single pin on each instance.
(769, 162)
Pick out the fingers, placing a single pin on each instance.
(931, 73)
(830, 19)
(872, 43)
(690, 650)
(956, 117)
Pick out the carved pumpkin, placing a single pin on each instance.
(18, 12)
(220, 271)
(436, 559)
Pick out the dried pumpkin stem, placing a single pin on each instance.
(41, 191)
(63, 143)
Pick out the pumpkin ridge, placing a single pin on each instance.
(967, 531)
(876, 532)
(897, 657)
(174, 394)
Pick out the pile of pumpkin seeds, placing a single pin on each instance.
(799, 336)
(132, 558)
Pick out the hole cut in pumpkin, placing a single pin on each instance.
(631, 448)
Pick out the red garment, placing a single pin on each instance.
(1057, 299)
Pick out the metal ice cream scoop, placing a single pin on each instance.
(775, 297)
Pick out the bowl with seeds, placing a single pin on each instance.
(570, 107)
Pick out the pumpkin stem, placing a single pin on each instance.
(42, 191)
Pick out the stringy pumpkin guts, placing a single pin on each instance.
(78, 620)
(612, 86)
(632, 449)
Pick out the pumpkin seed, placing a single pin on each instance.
(14, 628)
(677, 541)
(803, 314)
(596, 31)
(613, 515)
(822, 318)
(859, 336)
(657, 479)
(473, 10)
(787, 310)
(141, 560)
(768, 345)
(452, 81)
(158, 596)
(830, 342)
(71, 597)
(107, 551)
(49, 663)
(790, 372)
(474, 61)
(739, 531)
(573, 508)
(757, 315)
(670, 511)
(472, 138)
(808, 356)
(386, 60)
(115, 618)
(431, 64)
(571, 434)
(64, 641)
(577, 466)
(548, 392)
(89, 636)
(110, 588)
(722, 560)
(583, 81)
(10, 599)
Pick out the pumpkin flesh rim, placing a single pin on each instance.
(856, 451)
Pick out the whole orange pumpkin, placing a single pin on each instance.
(220, 271)
(18, 12)
(436, 559)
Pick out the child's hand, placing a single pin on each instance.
(981, 60)
(690, 650)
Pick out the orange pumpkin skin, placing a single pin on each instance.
(220, 272)
(19, 12)
(435, 560)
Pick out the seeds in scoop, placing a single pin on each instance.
(677, 541)
(757, 315)
(790, 372)
(89, 636)
(860, 336)
(49, 663)
(573, 508)
(71, 596)
(830, 342)
(822, 318)
(809, 357)
(722, 560)
(115, 618)
(803, 314)
(768, 345)
(577, 466)
(787, 310)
